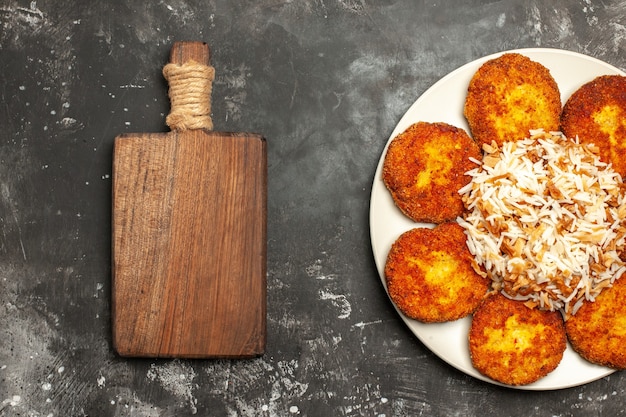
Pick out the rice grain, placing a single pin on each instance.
(545, 219)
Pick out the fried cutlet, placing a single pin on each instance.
(430, 274)
(424, 168)
(510, 95)
(596, 113)
(513, 344)
(598, 329)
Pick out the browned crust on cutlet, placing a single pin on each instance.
(596, 113)
(513, 344)
(598, 329)
(510, 95)
(430, 276)
(424, 168)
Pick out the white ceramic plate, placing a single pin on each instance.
(443, 102)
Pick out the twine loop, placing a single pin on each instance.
(190, 87)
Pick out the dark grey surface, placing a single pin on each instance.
(325, 82)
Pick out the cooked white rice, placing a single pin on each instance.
(546, 220)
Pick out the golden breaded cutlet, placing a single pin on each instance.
(596, 113)
(510, 95)
(513, 344)
(598, 329)
(430, 275)
(424, 168)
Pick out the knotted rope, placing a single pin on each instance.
(190, 87)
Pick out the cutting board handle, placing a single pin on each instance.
(190, 77)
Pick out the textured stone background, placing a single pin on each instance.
(325, 81)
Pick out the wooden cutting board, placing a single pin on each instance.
(189, 229)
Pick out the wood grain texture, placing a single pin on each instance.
(189, 244)
(182, 52)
